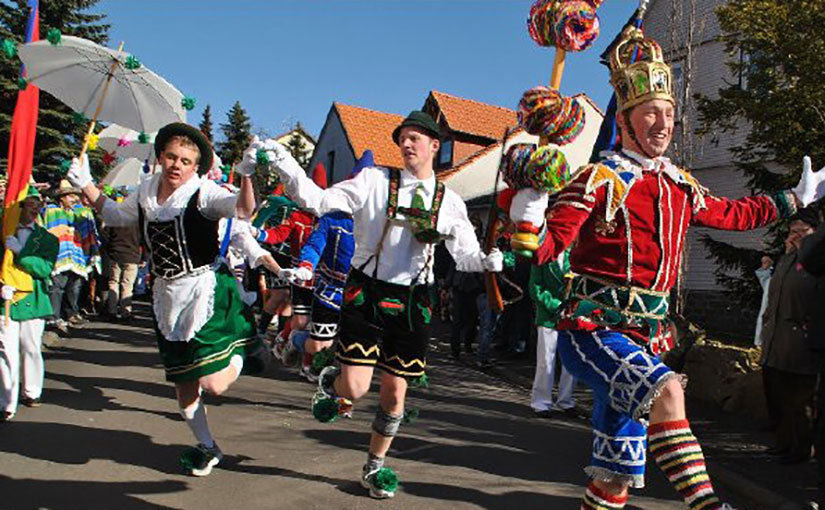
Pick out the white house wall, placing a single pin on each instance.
(333, 140)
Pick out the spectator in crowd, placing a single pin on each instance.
(763, 274)
(812, 258)
(441, 268)
(514, 326)
(75, 228)
(466, 289)
(547, 289)
(789, 370)
(123, 254)
(21, 334)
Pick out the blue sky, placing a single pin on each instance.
(289, 60)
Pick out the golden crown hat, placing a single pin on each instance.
(638, 72)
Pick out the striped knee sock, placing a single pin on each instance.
(598, 499)
(678, 454)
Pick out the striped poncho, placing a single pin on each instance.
(77, 233)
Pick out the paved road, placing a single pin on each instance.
(109, 435)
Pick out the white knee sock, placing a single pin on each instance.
(237, 362)
(195, 416)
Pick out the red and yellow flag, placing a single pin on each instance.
(21, 157)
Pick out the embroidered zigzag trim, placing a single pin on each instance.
(406, 364)
(357, 345)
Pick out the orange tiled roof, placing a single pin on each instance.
(473, 117)
(464, 164)
(369, 129)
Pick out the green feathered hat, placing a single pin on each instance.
(191, 132)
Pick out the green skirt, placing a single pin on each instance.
(230, 331)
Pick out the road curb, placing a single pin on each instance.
(757, 496)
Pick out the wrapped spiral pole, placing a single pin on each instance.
(537, 172)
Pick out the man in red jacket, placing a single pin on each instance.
(630, 213)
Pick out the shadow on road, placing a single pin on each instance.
(27, 494)
(237, 464)
(72, 444)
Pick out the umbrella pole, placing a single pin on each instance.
(100, 103)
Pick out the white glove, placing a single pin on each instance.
(13, 244)
(250, 158)
(303, 274)
(7, 292)
(529, 205)
(281, 159)
(287, 274)
(811, 185)
(79, 173)
(494, 261)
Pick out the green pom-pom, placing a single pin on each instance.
(262, 157)
(22, 83)
(64, 165)
(421, 382)
(108, 190)
(143, 137)
(132, 63)
(79, 118)
(54, 37)
(325, 410)
(386, 479)
(9, 48)
(322, 359)
(225, 169)
(188, 103)
(411, 414)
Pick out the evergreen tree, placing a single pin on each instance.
(777, 53)
(206, 123)
(236, 134)
(59, 133)
(296, 145)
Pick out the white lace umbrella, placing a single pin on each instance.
(125, 143)
(102, 84)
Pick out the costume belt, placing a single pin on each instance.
(628, 301)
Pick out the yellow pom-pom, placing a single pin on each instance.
(93, 139)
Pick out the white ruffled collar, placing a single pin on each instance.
(173, 205)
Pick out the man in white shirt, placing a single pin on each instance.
(399, 216)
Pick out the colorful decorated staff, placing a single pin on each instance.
(538, 172)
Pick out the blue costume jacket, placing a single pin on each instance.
(328, 252)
